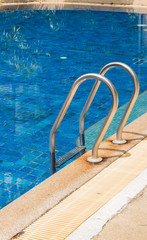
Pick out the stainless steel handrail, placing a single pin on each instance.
(131, 103)
(64, 108)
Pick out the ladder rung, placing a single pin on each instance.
(69, 155)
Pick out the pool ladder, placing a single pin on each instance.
(81, 148)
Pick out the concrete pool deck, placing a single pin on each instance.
(130, 224)
(29, 207)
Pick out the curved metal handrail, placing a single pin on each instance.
(131, 103)
(64, 108)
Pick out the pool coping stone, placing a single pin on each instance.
(60, 5)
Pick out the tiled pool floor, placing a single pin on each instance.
(37, 69)
(25, 174)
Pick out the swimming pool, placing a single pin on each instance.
(41, 55)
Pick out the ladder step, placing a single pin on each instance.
(69, 155)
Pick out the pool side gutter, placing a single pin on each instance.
(22, 212)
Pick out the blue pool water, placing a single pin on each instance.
(41, 55)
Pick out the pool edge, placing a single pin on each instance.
(73, 6)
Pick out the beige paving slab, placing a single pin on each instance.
(130, 224)
(63, 219)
